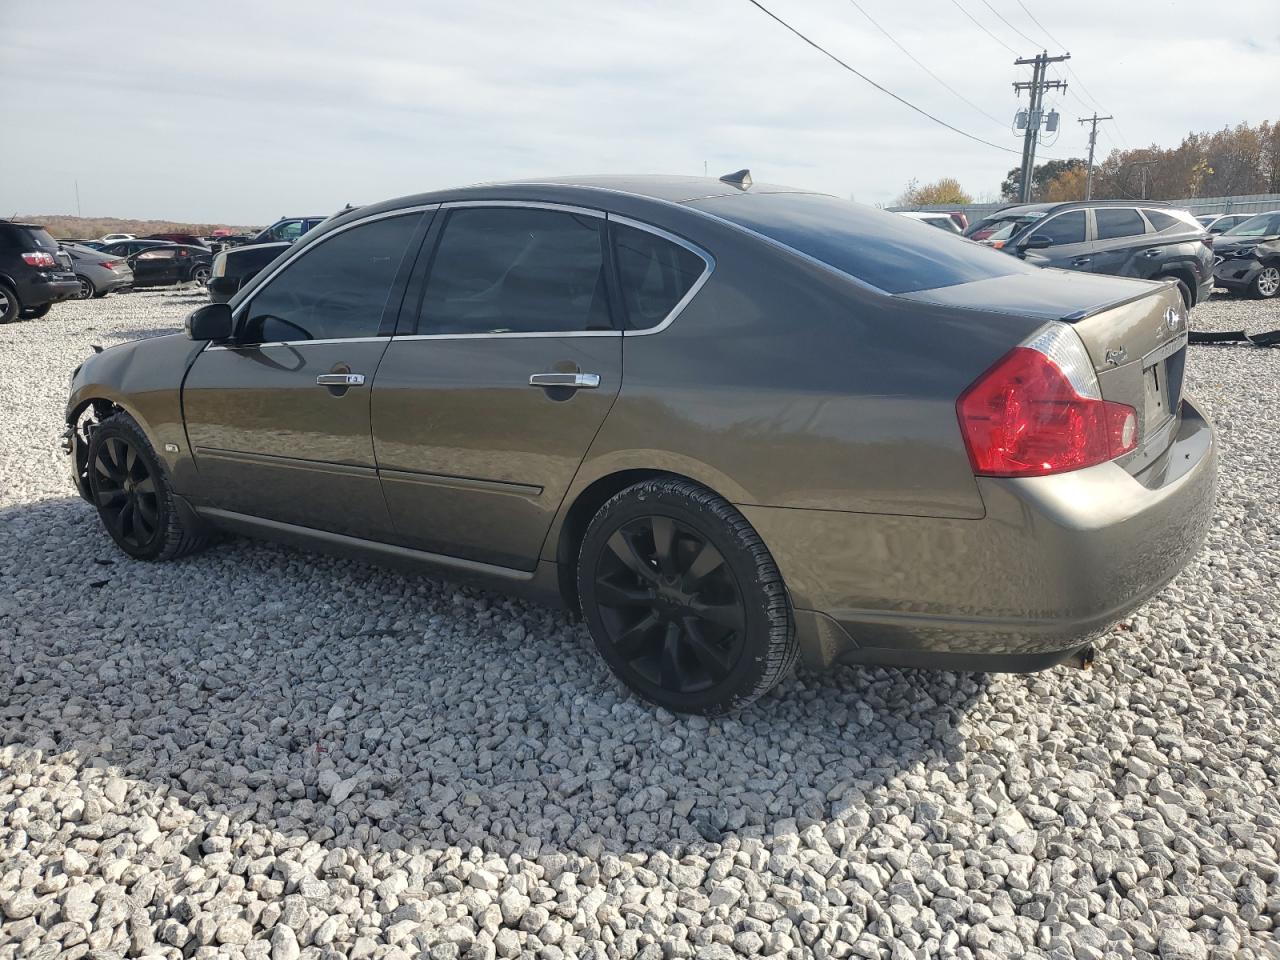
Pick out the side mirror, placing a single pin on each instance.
(210, 322)
(1035, 243)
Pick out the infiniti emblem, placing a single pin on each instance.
(1172, 319)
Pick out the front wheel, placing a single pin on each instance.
(1266, 284)
(683, 599)
(35, 313)
(132, 493)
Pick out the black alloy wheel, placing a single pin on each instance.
(671, 606)
(683, 599)
(87, 289)
(125, 492)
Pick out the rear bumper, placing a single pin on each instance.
(40, 289)
(1056, 561)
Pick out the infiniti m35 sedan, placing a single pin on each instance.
(731, 424)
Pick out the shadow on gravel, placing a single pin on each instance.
(349, 704)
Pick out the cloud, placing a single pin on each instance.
(243, 111)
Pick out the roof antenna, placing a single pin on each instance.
(739, 178)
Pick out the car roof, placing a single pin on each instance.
(1021, 208)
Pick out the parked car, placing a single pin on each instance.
(288, 229)
(127, 248)
(187, 239)
(236, 266)
(1120, 238)
(98, 273)
(1249, 257)
(34, 273)
(113, 237)
(943, 221)
(733, 425)
(169, 264)
(1217, 223)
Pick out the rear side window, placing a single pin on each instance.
(654, 273)
(337, 289)
(882, 249)
(26, 238)
(1161, 220)
(1113, 223)
(1064, 228)
(517, 270)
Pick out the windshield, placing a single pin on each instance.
(881, 249)
(1263, 225)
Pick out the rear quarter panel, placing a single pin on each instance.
(786, 384)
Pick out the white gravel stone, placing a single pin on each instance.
(263, 752)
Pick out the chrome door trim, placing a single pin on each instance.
(514, 335)
(293, 463)
(526, 204)
(575, 381)
(709, 267)
(465, 483)
(293, 343)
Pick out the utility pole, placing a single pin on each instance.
(1093, 139)
(1037, 85)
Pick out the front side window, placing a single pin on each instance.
(517, 270)
(289, 230)
(336, 290)
(1263, 225)
(1062, 229)
(654, 274)
(1118, 222)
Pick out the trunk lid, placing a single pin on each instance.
(1134, 331)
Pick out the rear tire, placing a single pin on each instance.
(683, 599)
(10, 305)
(1266, 285)
(35, 313)
(131, 490)
(87, 289)
(1187, 299)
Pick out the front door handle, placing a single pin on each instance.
(1081, 261)
(575, 381)
(1151, 253)
(340, 380)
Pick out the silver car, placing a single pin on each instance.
(99, 273)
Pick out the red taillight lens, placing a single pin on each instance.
(1024, 418)
(39, 259)
(112, 264)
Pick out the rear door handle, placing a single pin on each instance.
(1081, 261)
(340, 380)
(1151, 253)
(575, 381)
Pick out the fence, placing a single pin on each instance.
(1256, 203)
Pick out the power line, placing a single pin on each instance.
(862, 76)
(1008, 24)
(977, 24)
(923, 67)
(1058, 43)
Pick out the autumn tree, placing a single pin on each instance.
(946, 190)
(1041, 176)
(1068, 185)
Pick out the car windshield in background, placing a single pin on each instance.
(881, 249)
(1004, 229)
(1263, 225)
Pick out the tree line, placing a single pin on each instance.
(1233, 161)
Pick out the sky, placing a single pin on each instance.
(242, 112)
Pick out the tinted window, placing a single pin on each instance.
(1113, 223)
(290, 230)
(1263, 225)
(879, 248)
(1064, 228)
(337, 289)
(655, 273)
(1161, 220)
(516, 270)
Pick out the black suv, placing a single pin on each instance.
(1124, 238)
(34, 273)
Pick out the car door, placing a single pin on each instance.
(155, 266)
(278, 420)
(1121, 246)
(1068, 237)
(487, 400)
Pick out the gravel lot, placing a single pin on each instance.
(258, 752)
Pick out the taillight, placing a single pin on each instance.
(112, 264)
(1039, 411)
(39, 259)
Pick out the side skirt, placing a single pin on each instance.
(540, 584)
